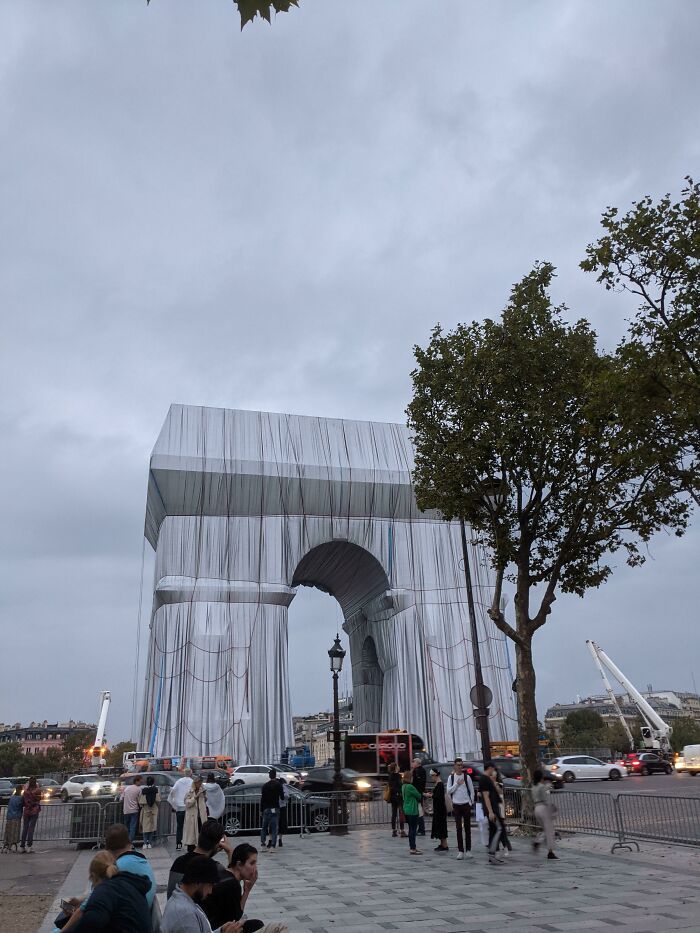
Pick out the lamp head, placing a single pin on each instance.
(336, 654)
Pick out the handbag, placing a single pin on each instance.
(449, 803)
(387, 793)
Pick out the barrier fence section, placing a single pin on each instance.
(660, 819)
(79, 822)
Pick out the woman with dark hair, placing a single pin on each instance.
(148, 804)
(439, 827)
(411, 807)
(228, 898)
(32, 809)
(396, 800)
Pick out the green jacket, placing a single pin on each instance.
(411, 799)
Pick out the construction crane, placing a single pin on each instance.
(96, 754)
(655, 733)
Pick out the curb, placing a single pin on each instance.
(76, 882)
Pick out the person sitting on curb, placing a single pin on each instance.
(183, 912)
(117, 842)
(211, 840)
(117, 903)
(227, 900)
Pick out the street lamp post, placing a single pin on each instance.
(339, 825)
(482, 693)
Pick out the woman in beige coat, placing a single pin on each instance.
(148, 805)
(195, 813)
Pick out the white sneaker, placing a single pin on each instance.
(460, 856)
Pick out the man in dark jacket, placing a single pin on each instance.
(117, 905)
(420, 779)
(272, 796)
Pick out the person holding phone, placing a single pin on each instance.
(461, 790)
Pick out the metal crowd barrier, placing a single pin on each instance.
(79, 822)
(660, 819)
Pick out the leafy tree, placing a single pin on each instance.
(10, 754)
(114, 756)
(653, 253)
(583, 728)
(520, 431)
(686, 731)
(249, 9)
(74, 748)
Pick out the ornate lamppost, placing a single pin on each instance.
(339, 823)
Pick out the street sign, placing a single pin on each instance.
(474, 696)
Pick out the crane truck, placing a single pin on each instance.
(95, 755)
(656, 733)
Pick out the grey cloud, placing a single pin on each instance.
(271, 219)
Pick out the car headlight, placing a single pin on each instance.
(364, 785)
(115, 788)
(94, 790)
(554, 767)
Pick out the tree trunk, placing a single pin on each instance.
(528, 728)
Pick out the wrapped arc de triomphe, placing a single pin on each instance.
(244, 507)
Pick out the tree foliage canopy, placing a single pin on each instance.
(686, 731)
(520, 430)
(653, 253)
(249, 9)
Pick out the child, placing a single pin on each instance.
(13, 821)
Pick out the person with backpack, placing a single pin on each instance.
(461, 791)
(393, 796)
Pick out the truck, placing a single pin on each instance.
(372, 753)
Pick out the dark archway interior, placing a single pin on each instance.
(344, 570)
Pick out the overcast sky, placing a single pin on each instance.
(271, 220)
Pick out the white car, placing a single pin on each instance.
(259, 774)
(584, 768)
(86, 786)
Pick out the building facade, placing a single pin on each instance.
(671, 705)
(40, 737)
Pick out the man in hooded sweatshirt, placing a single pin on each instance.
(128, 859)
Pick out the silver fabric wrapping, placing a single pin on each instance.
(244, 507)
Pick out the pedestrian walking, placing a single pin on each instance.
(270, 799)
(195, 813)
(130, 804)
(490, 800)
(216, 802)
(411, 797)
(13, 820)
(420, 781)
(461, 790)
(396, 800)
(504, 842)
(31, 811)
(543, 813)
(148, 802)
(438, 830)
(176, 799)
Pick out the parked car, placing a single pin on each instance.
(321, 779)
(647, 763)
(87, 785)
(257, 775)
(50, 789)
(242, 810)
(164, 780)
(584, 768)
(221, 777)
(7, 789)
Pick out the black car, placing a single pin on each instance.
(7, 789)
(242, 810)
(361, 787)
(647, 763)
(220, 776)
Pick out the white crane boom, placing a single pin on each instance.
(658, 730)
(593, 648)
(105, 700)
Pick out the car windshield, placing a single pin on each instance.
(349, 773)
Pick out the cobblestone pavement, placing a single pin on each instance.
(367, 881)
